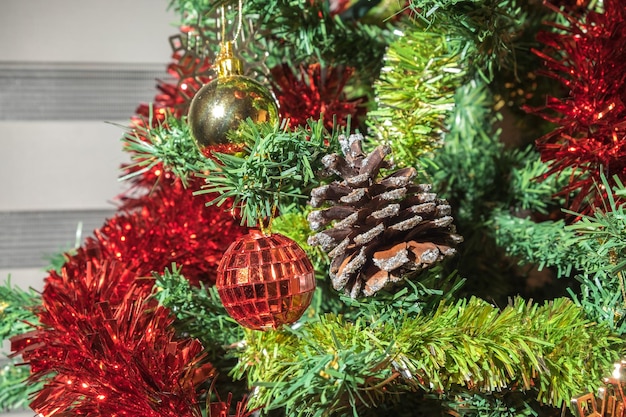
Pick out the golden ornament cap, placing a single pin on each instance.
(227, 63)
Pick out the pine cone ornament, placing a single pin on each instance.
(381, 230)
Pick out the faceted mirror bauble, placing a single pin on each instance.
(265, 281)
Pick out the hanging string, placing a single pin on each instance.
(223, 23)
(239, 22)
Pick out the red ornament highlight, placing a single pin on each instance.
(265, 281)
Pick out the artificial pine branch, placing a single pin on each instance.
(17, 310)
(459, 402)
(465, 169)
(169, 143)
(16, 317)
(589, 244)
(275, 171)
(602, 298)
(593, 250)
(473, 404)
(15, 393)
(602, 236)
(490, 28)
(308, 29)
(305, 30)
(527, 193)
(333, 363)
(198, 310)
(546, 244)
(420, 295)
(472, 172)
(604, 230)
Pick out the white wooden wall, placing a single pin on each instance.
(63, 164)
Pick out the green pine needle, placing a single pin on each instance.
(592, 249)
(276, 171)
(529, 190)
(604, 231)
(547, 244)
(17, 316)
(471, 168)
(419, 295)
(17, 310)
(490, 29)
(472, 404)
(602, 299)
(15, 393)
(198, 310)
(169, 143)
(302, 32)
(602, 237)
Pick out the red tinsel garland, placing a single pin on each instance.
(170, 225)
(588, 57)
(314, 91)
(109, 356)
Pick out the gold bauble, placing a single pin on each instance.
(221, 106)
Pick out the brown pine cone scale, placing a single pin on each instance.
(378, 231)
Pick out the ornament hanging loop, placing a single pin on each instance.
(239, 23)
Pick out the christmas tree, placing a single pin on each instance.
(428, 221)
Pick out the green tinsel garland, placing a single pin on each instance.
(325, 366)
(415, 93)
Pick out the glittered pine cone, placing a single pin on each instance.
(381, 230)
